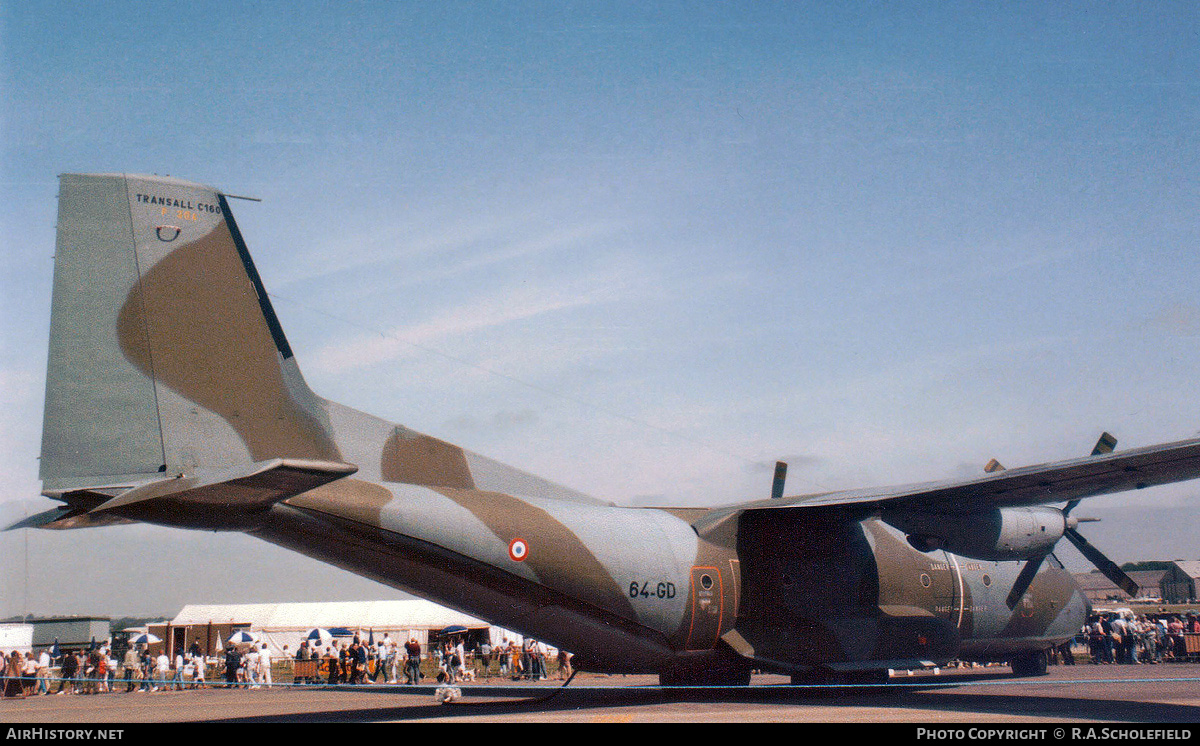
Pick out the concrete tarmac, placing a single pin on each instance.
(1167, 693)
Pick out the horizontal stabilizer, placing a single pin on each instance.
(66, 517)
(265, 483)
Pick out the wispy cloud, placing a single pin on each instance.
(418, 245)
(510, 306)
(388, 243)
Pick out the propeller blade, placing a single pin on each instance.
(780, 479)
(1102, 563)
(1106, 444)
(1023, 580)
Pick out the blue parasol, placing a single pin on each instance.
(144, 639)
(241, 637)
(319, 636)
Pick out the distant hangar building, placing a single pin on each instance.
(69, 632)
(1099, 589)
(1180, 582)
(1177, 584)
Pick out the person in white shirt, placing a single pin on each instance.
(161, 668)
(393, 662)
(539, 654)
(250, 663)
(43, 673)
(460, 651)
(264, 665)
(177, 680)
(198, 664)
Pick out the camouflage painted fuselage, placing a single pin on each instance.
(640, 590)
(173, 397)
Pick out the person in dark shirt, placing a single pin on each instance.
(412, 670)
(233, 661)
(70, 669)
(360, 664)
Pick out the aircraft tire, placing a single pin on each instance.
(1030, 664)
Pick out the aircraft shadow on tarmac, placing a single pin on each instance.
(900, 699)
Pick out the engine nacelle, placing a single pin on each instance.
(998, 534)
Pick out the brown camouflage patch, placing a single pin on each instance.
(195, 324)
(353, 499)
(419, 459)
(554, 553)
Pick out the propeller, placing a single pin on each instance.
(1102, 563)
(1024, 579)
(780, 479)
(1106, 444)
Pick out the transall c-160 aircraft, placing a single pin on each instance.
(173, 397)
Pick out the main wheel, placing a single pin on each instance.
(1030, 664)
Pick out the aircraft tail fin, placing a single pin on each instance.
(165, 354)
(167, 362)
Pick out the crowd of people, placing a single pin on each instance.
(1126, 638)
(96, 670)
(451, 660)
(248, 666)
(526, 661)
(99, 670)
(1111, 638)
(343, 663)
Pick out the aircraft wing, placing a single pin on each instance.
(1074, 479)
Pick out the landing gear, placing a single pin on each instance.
(1030, 664)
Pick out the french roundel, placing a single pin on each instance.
(168, 233)
(518, 550)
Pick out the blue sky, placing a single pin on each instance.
(647, 249)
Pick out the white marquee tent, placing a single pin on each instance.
(281, 624)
